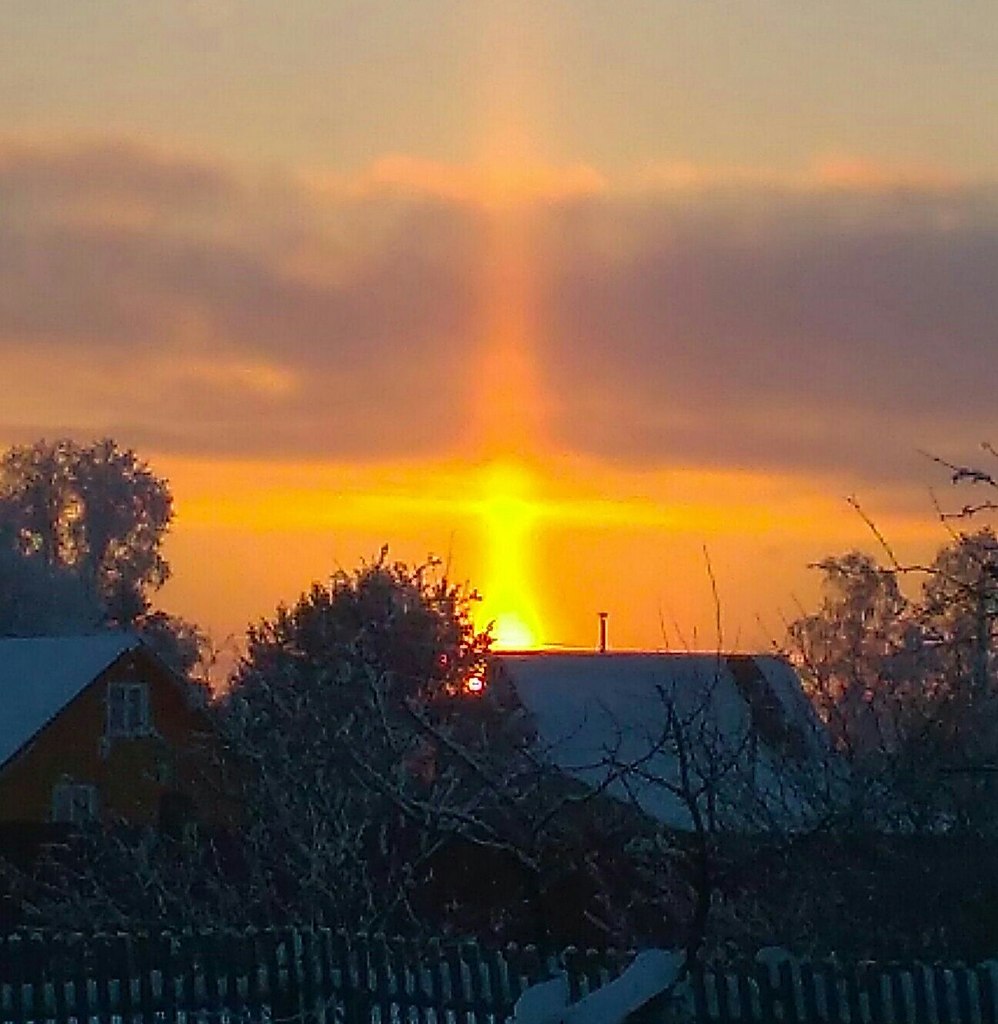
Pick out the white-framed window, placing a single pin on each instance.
(74, 803)
(128, 709)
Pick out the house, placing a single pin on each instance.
(98, 729)
(727, 742)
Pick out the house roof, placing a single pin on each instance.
(39, 676)
(617, 720)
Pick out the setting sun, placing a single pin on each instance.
(512, 633)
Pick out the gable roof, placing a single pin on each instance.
(39, 676)
(753, 743)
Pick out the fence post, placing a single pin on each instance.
(453, 978)
(986, 976)
(382, 982)
(364, 991)
(14, 996)
(341, 975)
(962, 982)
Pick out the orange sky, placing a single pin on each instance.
(549, 543)
(548, 539)
(576, 301)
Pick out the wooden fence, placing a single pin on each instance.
(321, 976)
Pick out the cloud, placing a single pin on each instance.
(365, 354)
(827, 172)
(488, 185)
(833, 319)
(842, 171)
(94, 180)
(813, 329)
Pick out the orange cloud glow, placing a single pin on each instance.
(500, 182)
(843, 172)
(487, 184)
(232, 375)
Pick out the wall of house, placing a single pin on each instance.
(132, 774)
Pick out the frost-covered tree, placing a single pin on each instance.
(342, 709)
(94, 511)
(36, 598)
(959, 607)
(183, 645)
(899, 659)
(410, 625)
(81, 534)
(390, 785)
(907, 684)
(852, 646)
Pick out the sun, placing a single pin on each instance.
(510, 632)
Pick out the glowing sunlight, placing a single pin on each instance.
(508, 514)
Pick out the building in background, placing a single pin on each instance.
(725, 742)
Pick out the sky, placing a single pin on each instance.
(610, 306)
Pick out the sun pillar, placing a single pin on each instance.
(508, 515)
(509, 407)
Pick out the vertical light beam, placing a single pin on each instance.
(509, 407)
(508, 515)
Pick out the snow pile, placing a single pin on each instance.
(650, 973)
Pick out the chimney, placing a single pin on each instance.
(602, 631)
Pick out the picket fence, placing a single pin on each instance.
(319, 976)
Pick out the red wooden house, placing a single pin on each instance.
(98, 729)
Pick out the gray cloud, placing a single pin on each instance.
(832, 330)
(39, 178)
(183, 307)
(366, 356)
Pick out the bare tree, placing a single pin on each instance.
(899, 659)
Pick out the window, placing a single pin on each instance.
(74, 803)
(128, 709)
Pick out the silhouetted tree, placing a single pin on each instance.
(339, 709)
(95, 511)
(907, 684)
(184, 646)
(39, 599)
(410, 625)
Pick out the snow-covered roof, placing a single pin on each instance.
(751, 740)
(39, 676)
